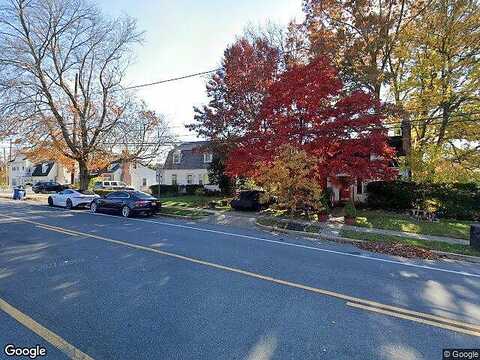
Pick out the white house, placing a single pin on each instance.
(19, 171)
(22, 171)
(132, 173)
(187, 164)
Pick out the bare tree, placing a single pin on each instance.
(140, 135)
(61, 68)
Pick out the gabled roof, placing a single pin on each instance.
(191, 156)
(112, 167)
(38, 170)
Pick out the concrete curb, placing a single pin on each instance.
(342, 240)
(178, 216)
(184, 217)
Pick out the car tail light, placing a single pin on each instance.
(141, 203)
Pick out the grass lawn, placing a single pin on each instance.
(194, 214)
(393, 221)
(431, 245)
(197, 201)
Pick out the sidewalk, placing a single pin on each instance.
(245, 219)
(30, 196)
(334, 228)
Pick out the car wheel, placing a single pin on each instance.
(69, 204)
(50, 201)
(126, 211)
(93, 207)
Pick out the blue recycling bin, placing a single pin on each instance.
(18, 193)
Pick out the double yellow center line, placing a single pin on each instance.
(358, 303)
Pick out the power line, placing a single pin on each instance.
(170, 80)
(195, 74)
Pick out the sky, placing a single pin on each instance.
(188, 36)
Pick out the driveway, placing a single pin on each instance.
(104, 287)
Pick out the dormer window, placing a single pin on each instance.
(207, 158)
(44, 168)
(177, 157)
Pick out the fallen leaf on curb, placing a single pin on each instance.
(398, 249)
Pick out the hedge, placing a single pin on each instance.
(176, 189)
(103, 192)
(190, 189)
(458, 201)
(164, 189)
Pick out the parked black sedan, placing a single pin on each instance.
(249, 200)
(47, 186)
(126, 203)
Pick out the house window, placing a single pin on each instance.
(359, 187)
(207, 158)
(174, 179)
(189, 179)
(200, 180)
(144, 182)
(176, 157)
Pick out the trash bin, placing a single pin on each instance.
(18, 193)
(21, 193)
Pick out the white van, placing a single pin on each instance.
(111, 185)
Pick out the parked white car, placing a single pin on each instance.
(70, 198)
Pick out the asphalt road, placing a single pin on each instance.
(104, 287)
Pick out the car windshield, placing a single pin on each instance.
(142, 195)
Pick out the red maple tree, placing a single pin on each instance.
(309, 108)
(237, 90)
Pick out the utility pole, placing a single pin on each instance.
(5, 164)
(74, 131)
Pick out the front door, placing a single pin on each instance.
(345, 193)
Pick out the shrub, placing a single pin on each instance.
(458, 201)
(191, 189)
(164, 189)
(200, 192)
(289, 178)
(102, 192)
(395, 195)
(350, 210)
(92, 181)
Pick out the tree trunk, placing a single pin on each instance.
(84, 175)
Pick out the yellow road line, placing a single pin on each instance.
(71, 351)
(413, 318)
(379, 307)
(46, 227)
